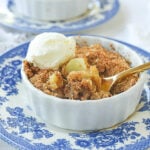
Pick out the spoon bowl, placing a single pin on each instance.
(108, 82)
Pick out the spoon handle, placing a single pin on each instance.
(137, 69)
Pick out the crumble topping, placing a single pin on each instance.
(80, 78)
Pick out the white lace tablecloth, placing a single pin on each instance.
(131, 24)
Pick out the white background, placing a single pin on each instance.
(131, 24)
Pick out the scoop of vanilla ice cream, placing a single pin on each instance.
(50, 50)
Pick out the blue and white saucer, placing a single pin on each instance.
(25, 131)
(98, 13)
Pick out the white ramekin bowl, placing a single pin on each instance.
(51, 10)
(90, 114)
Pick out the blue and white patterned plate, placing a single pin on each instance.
(24, 130)
(97, 14)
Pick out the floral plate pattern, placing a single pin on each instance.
(99, 12)
(25, 131)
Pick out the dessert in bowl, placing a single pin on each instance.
(51, 10)
(62, 78)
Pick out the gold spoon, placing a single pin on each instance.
(108, 82)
